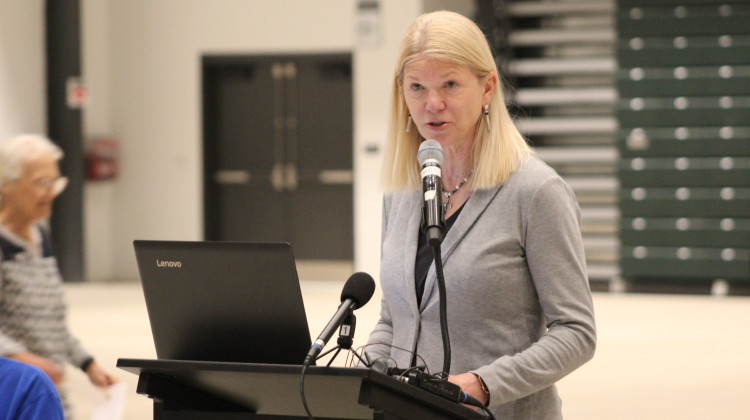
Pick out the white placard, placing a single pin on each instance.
(113, 407)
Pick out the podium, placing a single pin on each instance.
(192, 390)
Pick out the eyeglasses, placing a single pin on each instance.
(56, 185)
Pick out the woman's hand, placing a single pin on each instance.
(472, 385)
(99, 376)
(96, 374)
(49, 366)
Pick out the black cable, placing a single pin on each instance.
(486, 411)
(443, 312)
(466, 398)
(358, 357)
(469, 400)
(395, 347)
(302, 393)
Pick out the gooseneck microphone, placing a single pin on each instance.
(356, 293)
(430, 157)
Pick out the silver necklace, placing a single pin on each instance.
(447, 205)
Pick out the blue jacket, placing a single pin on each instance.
(26, 393)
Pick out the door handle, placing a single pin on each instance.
(336, 177)
(232, 176)
(292, 178)
(277, 177)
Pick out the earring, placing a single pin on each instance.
(408, 124)
(487, 116)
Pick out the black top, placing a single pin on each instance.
(9, 250)
(425, 257)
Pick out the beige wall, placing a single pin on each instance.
(22, 83)
(141, 62)
(148, 56)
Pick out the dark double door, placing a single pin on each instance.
(277, 141)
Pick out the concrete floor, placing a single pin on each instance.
(659, 356)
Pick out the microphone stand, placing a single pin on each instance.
(444, 331)
(430, 157)
(443, 310)
(345, 340)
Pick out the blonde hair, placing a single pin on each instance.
(15, 152)
(497, 152)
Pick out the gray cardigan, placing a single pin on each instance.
(520, 313)
(32, 307)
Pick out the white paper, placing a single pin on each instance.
(113, 407)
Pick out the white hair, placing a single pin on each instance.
(14, 154)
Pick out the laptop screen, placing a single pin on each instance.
(223, 301)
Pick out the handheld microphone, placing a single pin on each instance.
(430, 157)
(356, 293)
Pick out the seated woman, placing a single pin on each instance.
(32, 311)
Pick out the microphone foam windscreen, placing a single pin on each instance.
(358, 288)
(430, 149)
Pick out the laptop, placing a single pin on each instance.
(223, 301)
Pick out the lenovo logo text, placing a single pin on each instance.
(169, 264)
